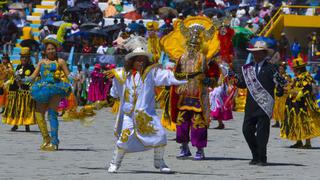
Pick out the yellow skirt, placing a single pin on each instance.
(20, 109)
(303, 124)
(279, 108)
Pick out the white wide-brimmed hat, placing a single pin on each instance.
(261, 46)
(137, 46)
(139, 51)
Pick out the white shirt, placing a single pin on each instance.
(259, 65)
(102, 50)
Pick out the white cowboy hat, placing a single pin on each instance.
(261, 46)
(139, 51)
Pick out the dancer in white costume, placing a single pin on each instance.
(138, 127)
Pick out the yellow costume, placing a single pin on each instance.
(20, 107)
(240, 101)
(198, 31)
(302, 112)
(279, 104)
(153, 41)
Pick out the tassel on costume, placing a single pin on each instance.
(115, 107)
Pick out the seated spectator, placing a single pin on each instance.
(234, 21)
(295, 48)
(74, 28)
(111, 10)
(44, 32)
(265, 10)
(103, 48)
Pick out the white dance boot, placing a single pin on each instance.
(116, 161)
(159, 162)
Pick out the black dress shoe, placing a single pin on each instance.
(262, 163)
(14, 128)
(253, 162)
(27, 128)
(297, 145)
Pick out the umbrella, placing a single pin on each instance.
(87, 26)
(16, 6)
(85, 5)
(133, 15)
(241, 37)
(73, 9)
(167, 12)
(114, 27)
(213, 11)
(231, 8)
(136, 27)
(97, 32)
(242, 30)
(32, 44)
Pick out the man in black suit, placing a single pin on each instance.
(258, 78)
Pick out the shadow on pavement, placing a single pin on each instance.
(225, 159)
(284, 164)
(312, 148)
(228, 129)
(95, 168)
(144, 172)
(79, 150)
(23, 131)
(158, 172)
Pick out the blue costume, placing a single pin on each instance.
(49, 85)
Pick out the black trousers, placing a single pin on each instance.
(256, 131)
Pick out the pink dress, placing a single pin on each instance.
(107, 87)
(218, 97)
(96, 87)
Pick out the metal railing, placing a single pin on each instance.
(269, 25)
(91, 58)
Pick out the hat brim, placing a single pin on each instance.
(300, 66)
(270, 51)
(134, 54)
(51, 41)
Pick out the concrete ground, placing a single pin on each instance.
(86, 151)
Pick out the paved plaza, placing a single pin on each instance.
(86, 151)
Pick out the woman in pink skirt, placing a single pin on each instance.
(96, 86)
(220, 106)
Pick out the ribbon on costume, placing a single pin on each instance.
(257, 91)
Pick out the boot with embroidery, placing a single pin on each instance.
(159, 161)
(42, 124)
(54, 125)
(116, 161)
(185, 151)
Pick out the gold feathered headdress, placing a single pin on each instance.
(194, 29)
